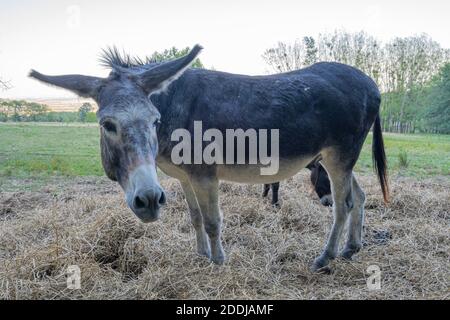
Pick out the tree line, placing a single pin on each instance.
(25, 111)
(407, 70)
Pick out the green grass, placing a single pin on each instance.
(39, 150)
(427, 155)
(31, 150)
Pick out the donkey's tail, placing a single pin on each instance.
(379, 158)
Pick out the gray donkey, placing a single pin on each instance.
(324, 111)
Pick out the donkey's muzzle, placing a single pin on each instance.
(146, 204)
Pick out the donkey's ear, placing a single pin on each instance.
(159, 77)
(83, 86)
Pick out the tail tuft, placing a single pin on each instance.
(379, 158)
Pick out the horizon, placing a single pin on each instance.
(61, 37)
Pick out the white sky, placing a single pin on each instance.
(51, 37)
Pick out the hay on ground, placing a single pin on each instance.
(87, 223)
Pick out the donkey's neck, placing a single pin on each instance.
(175, 114)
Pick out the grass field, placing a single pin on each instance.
(40, 151)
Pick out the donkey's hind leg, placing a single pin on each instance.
(356, 221)
(207, 193)
(266, 189)
(275, 187)
(341, 188)
(203, 247)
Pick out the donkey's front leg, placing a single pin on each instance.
(203, 247)
(207, 192)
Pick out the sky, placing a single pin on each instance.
(66, 36)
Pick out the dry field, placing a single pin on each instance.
(86, 223)
(64, 104)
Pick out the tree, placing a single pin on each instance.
(17, 107)
(409, 65)
(173, 53)
(357, 49)
(32, 110)
(437, 115)
(21, 110)
(83, 111)
(311, 50)
(288, 57)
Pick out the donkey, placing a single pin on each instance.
(319, 181)
(323, 111)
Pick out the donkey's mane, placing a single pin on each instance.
(112, 58)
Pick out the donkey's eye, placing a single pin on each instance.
(110, 127)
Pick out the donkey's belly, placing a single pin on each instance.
(241, 173)
(252, 173)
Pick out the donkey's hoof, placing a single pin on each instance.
(204, 253)
(348, 253)
(218, 259)
(218, 256)
(320, 265)
(322, 270)
(276, 205)
(203, 248)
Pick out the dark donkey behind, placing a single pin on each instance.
(324, 111)
(319, 181)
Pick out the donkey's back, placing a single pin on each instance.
(313, 108)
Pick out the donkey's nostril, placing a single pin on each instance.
(162, 199)
(140, 202)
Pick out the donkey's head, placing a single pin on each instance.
(128, 122)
